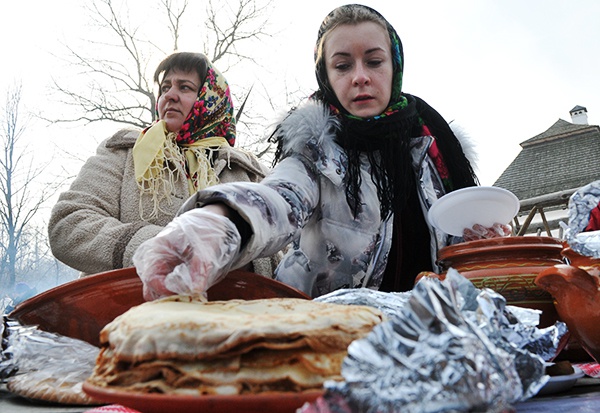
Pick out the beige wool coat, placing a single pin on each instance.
(96, 225)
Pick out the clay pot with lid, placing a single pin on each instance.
(576, 292)
(509, 266)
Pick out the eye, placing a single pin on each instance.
(164, 88)
(342, 66)
(375, 62)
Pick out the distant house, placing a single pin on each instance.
(549, 168)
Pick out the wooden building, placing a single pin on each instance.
(549, 168)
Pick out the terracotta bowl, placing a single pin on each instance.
(81, 308)
(509, 266)
(576, 292)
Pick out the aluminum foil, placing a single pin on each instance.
(388, 303)
(40, 354)
(581, 204)
(449, 347)
(6, 304)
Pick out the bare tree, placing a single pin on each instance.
(19, 199)
(118, 62)
(227, 28)
(175, 16)
(117, 86)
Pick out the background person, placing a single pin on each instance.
(359, 165)
(137, 180)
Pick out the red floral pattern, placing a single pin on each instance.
(212, 113)
(438, 160)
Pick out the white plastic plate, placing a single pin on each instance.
(463, 208)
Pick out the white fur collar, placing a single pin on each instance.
(467, 143)
(314, 124)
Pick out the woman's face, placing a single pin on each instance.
(359, 66)
(178, 92)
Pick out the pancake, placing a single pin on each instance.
(180, 346)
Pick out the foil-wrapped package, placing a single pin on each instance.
(389, 304)
(449, 347)
(581, 203)
(54, 367)
(27, 348)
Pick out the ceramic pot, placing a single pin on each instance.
(576, 292)
(509, 266)
(589, 264)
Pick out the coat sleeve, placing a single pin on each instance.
(85, 228)
(276, 208)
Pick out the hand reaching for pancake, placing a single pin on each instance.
(191, 254)
(480, 232)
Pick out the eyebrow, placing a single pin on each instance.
(179, 82)
(372, 50)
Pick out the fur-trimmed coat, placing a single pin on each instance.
(302, 202)
(95, 226)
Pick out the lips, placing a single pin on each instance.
(172, 110)
(361, 98)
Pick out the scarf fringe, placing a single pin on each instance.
(159, 180)
(158, 183)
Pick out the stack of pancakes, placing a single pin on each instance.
(181, 346)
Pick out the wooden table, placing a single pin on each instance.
(584, 397)
(10, 403)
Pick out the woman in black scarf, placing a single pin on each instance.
(357, 168)
(385, 137)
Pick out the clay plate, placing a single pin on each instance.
(81, 308)
(159, 403)
(557, 384)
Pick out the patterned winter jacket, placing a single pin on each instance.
(303, 201)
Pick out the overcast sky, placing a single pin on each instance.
(505, 70)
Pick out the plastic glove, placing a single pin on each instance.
(480, 232)
(192, 253)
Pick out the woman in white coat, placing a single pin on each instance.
(358, 167)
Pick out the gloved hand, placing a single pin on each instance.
(192, 253)
(480, 232)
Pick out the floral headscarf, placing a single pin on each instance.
(212, 113)
(209, 126)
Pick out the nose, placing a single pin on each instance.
(361, 75)
(171, 94)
